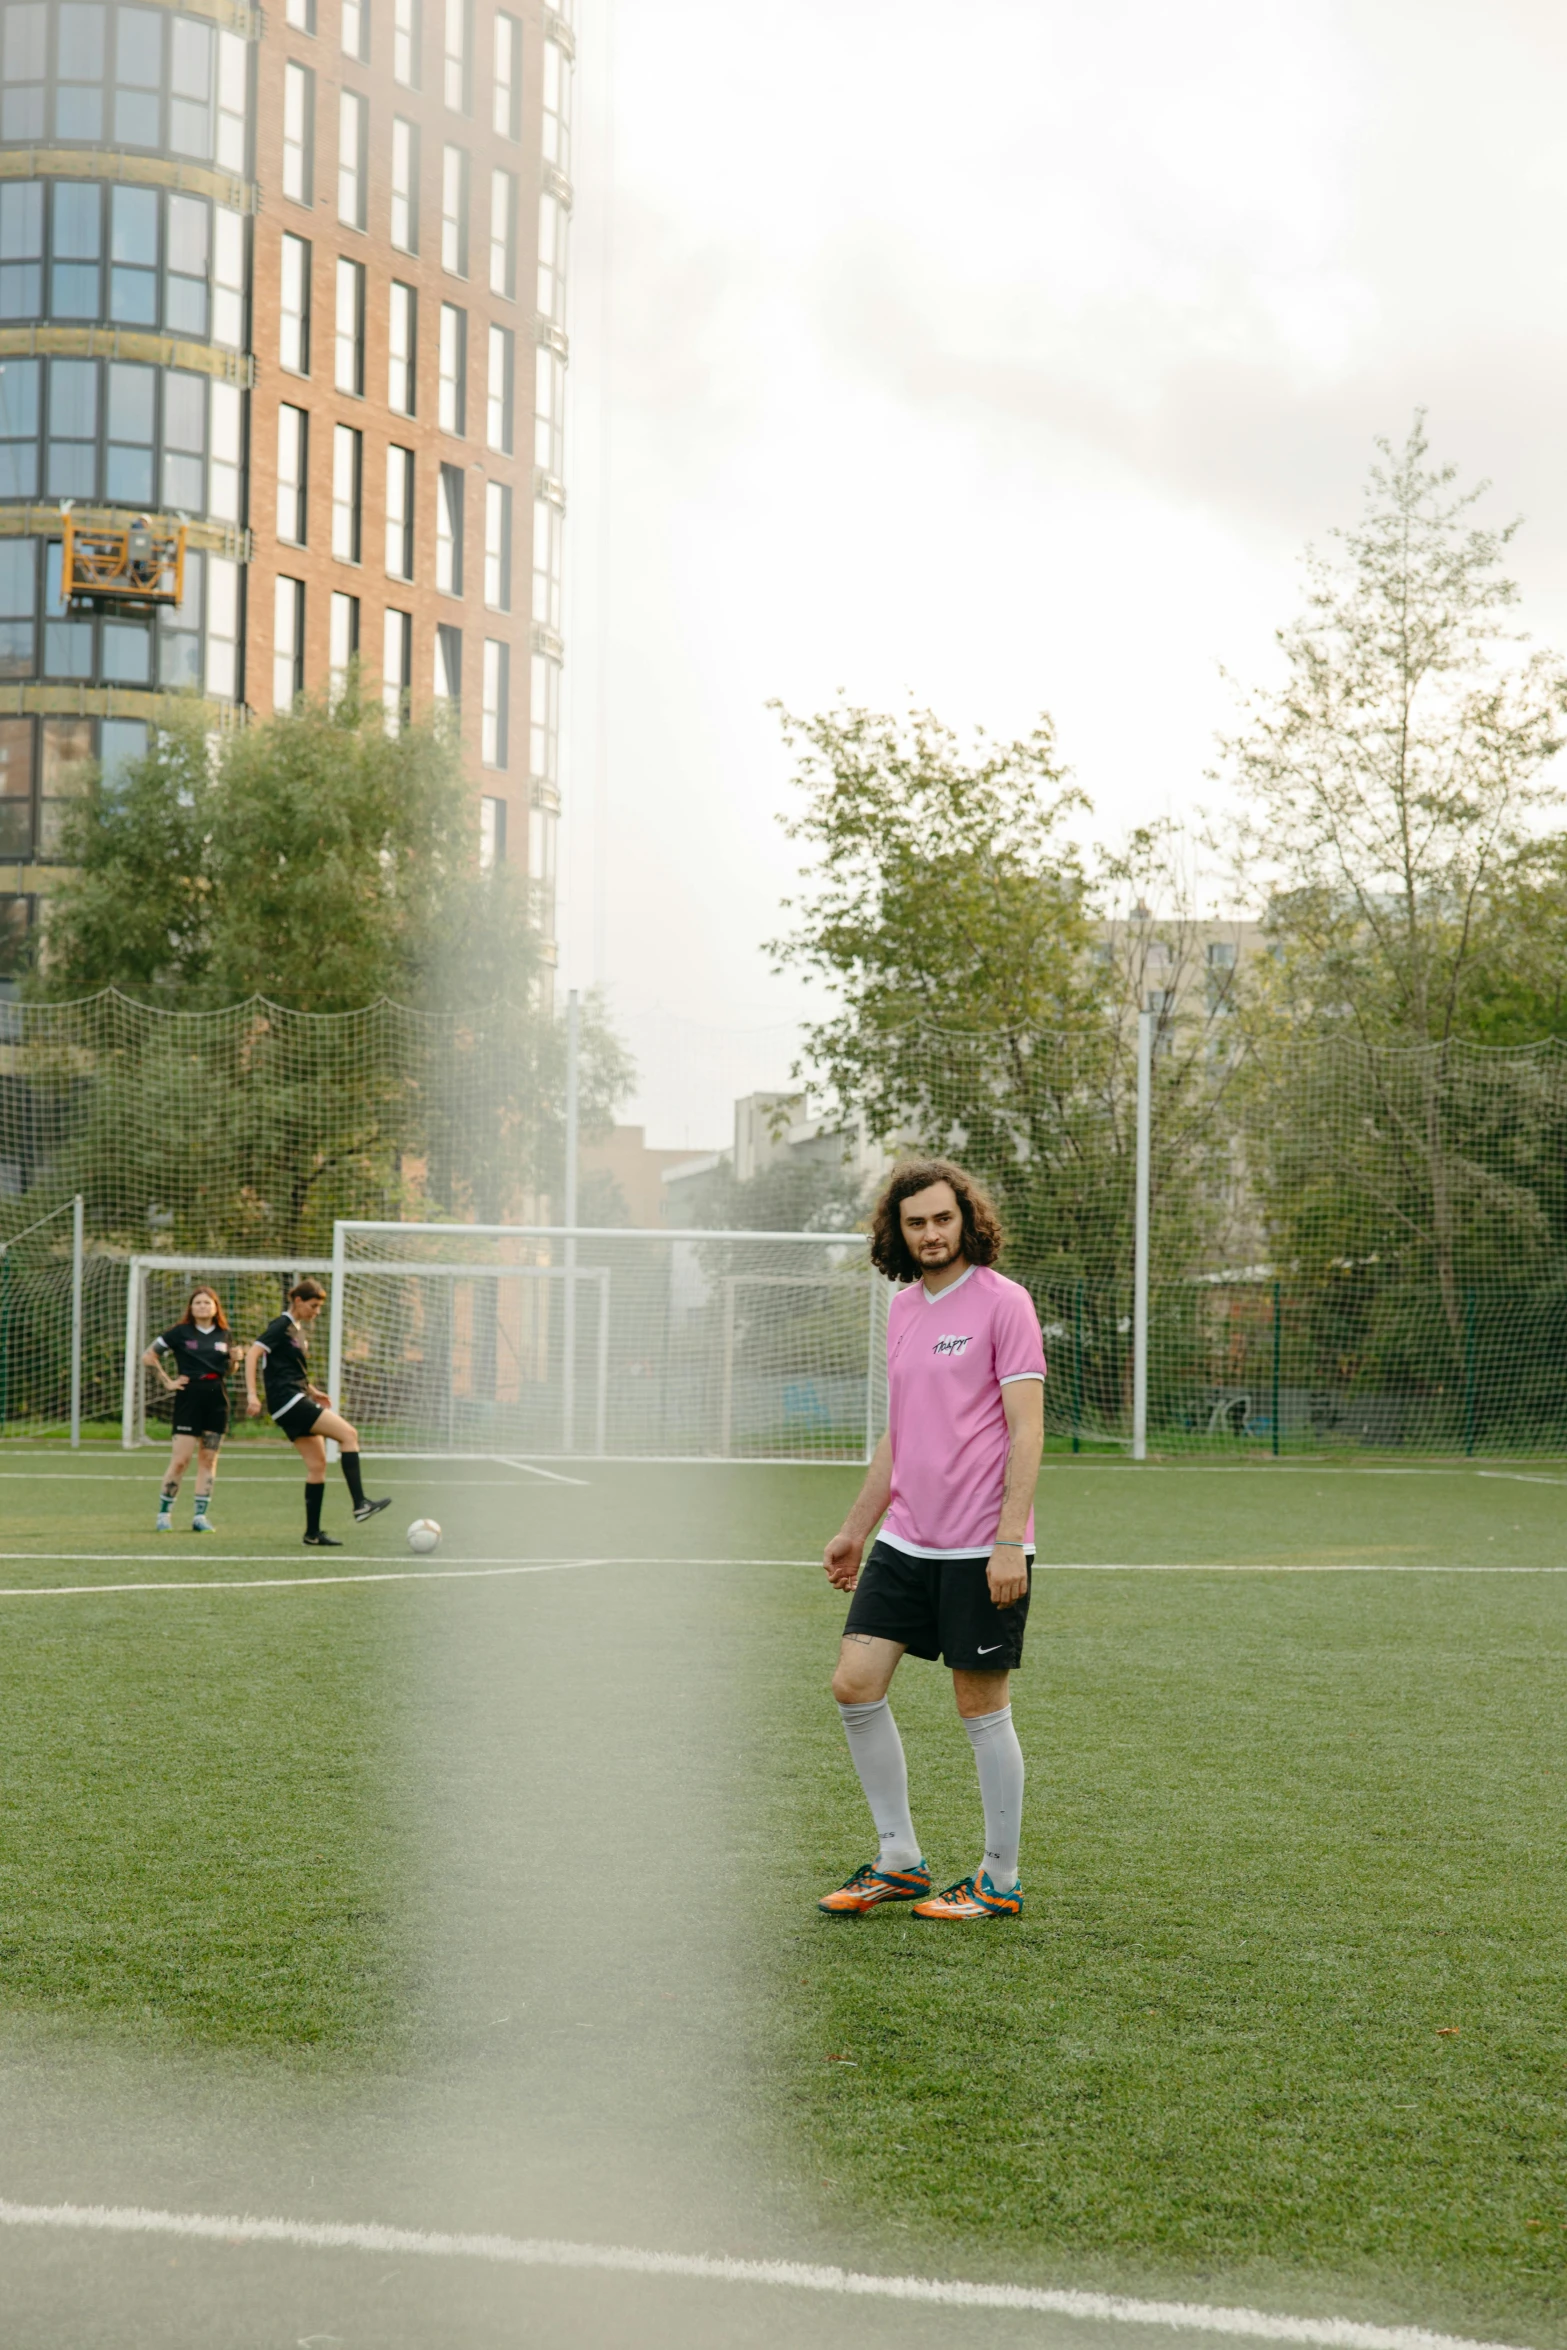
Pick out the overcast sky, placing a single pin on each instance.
(1005, 356)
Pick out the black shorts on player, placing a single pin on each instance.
(938, 1607)
(299, 1417)
(202, 1410)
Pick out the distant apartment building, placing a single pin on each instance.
(282, 375)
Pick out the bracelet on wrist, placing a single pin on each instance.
(999, 1544)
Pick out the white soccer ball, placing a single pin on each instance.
(423, 1536)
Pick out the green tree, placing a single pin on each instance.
(988, 989)
(363, 1024)
(1391, 781)
(313, 859)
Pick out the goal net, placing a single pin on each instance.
(530, 1340)
(47, 1283)
(251, 1290)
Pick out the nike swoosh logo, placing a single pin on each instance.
(991, 1650)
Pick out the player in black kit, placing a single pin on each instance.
(304, 1412)
(193, 1362)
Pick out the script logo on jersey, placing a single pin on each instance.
(949, 1346)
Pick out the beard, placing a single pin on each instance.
(936, 1256)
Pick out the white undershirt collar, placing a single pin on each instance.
(933, 1297)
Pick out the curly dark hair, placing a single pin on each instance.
(890, 1252)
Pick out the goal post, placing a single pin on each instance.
(562, 1341)
(251, 1290)
(43, 1280)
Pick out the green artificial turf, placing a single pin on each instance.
(1286, 2016)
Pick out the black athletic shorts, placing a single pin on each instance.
(297, 1419)
(202, 1409)
(939, 1607)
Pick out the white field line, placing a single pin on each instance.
(476, 1571)
(483, 1570)
(551, 1476)
(231, 1477)
(1520, 1477)
(1335, 2333)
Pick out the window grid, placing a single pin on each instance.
(406, 41)
(123, 77)
(397, 653)
(449, 530)
(552, 258)
(454, 210)
(549, 411)
(506, 84)
(294, 323)
(448, 663)
(454, 370)
(233, 103)
(498, 399)
(493, 722)
(497, 546)
(293, 432)
(347, 492)
(124, 256)
(228, 278)
(353, 134)
(402, 349)
(547, 535)
(503, 237)
(544, 720)
(459, 28)
(342, 642)
(299, 110)
(405, 185)
(288, 642)
(400, 513)
(557, 108)
(349, 369)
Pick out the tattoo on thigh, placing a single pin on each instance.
(858, 1639)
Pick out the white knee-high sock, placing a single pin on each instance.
(999, 1760)
(878, 1757)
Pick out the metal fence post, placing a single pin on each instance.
(1077, 1367)
(568, 1417)
(334, 1343)
(1140, 1260)
(78, 1252)
(1277, 1334)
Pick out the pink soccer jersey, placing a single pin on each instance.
(948, 1358)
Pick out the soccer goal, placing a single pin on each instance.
(548, 1341)
(251, 1290)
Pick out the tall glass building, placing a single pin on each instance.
(297, 284)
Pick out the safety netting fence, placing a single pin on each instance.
(240, 1133)
(1348, 1245)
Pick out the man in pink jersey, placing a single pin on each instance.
(952, 1486)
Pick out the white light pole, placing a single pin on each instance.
(1140, 1257)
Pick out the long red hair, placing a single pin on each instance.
(204, 1289)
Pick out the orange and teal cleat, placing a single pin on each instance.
(870, 1886)
(972, 1897)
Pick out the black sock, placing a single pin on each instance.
(356, 1483)
(315, 1495)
